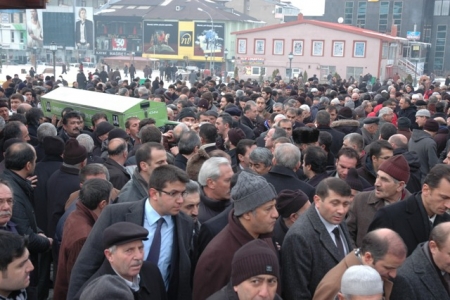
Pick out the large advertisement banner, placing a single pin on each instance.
(35, 34)
(161, 37)
(84, 28)
(56, 28)
(208, 39)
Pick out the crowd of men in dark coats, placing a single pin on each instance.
(267, 190)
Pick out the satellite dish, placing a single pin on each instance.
(340, 20)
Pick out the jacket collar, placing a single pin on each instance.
(283, 171)
(69, 169)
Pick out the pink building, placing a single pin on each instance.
(317, 48)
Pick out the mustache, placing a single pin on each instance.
(138, 263)
(5, 213)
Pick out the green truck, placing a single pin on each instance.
(117, 108)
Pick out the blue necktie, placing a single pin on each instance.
(155, 249)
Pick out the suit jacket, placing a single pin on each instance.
(88, 32)
(315, 254)
(151, 283)
(283, 178)
(362, 211)
(338, 138)
(330, 285)
(409, 219)
(418, 279)
(117, 173)
(91, 256)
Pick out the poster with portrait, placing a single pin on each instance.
(161, 37)
(84, 28)
(242, 46)
(317, 48)
(278, 46)
(359, 49)
(209, 40)
(297, 47)
(35, 32)
(338, 49)
(259, 46)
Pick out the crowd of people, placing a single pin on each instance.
(270, 190)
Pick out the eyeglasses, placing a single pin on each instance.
(174, 194)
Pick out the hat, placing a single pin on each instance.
(403, 122)
(431, 125)
(253, 259)
(361, 281)
(212, 113)
(396, 167)
(289, 202)
(235, 135)
(305, 135)
(186, 112)
(421, 103)
(353, 180)
(345, 113)
(372, 120)
(314, 90)
(250, 192)
(118, 133)
(53, 145)
(103, 128)
(203, 103)
(107, 287)
(74, 153)
(423, 113)
(123, 232)
(233, 111)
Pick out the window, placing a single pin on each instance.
(397, 15)
(384, 13)
(361, 14)
(441, 7)
(354, 72)
(348, 17)
(256, 70)
(22, 37)
(385, 50)
(441, 35)
(12, 36)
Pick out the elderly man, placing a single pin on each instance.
(424, 274)
(117, 156)
(369, 129)
(254, 262)
(214, 178)
(320, 238)
(253, 217)
(15, 266)
(390, 187)
(381, 249)
(414, 218)
(361, 283)
(124, 252)
(6, 207)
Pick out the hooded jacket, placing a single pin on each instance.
(423, 144)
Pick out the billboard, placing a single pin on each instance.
(208, 39)
(53, 23)
(35, 35)
(84, 28)
(117, 36)
(161, 37)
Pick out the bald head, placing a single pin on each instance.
(117, 147)
(383, 241)
(23, 108)
(398, 141)
(440, 234)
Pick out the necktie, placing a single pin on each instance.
(153, 255)
(339, 244)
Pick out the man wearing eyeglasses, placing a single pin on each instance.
(169, 238)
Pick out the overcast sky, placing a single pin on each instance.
(310, 8)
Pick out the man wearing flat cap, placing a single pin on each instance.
(369, 129)
(390, 187)
(253, 217)
(290, 205)
(169, 237)
(124, 251)
(253, 262)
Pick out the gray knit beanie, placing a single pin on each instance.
(109, 287)
(250, 192)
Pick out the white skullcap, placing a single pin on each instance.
(361, 281)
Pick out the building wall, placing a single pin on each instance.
(258, 9)
(371, 62)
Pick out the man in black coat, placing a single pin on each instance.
(323, 122)
(166, 187)
(282, 175)
(126, 236)
(117, 156)
(414, 218)
(20, 162)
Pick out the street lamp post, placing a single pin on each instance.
(206, 60)
(53, 48)
(232, 64)
(35, 58)
(211, 66)
(290, 56)
(225, 53)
